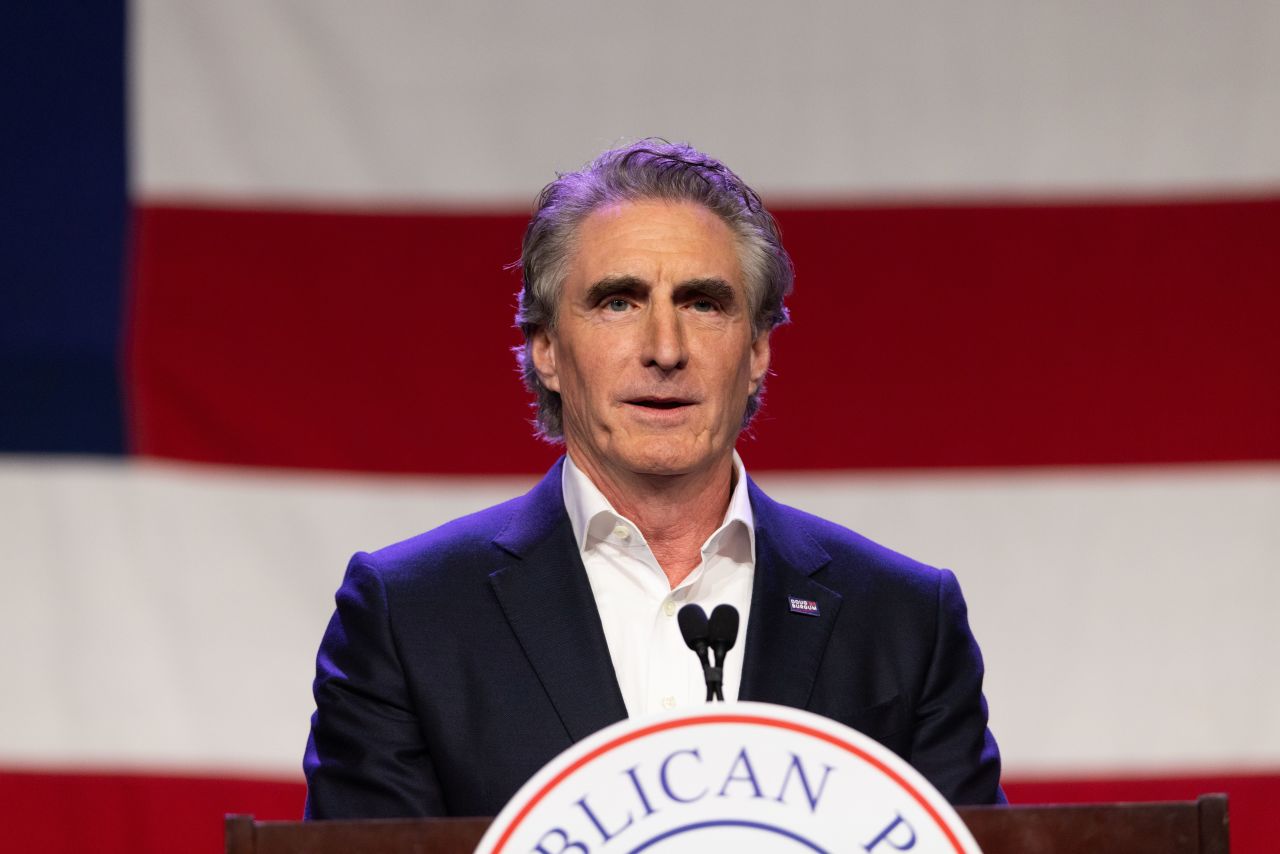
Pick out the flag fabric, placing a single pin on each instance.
(260, 316)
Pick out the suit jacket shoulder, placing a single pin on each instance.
(456, 664)
(476, 541)
(889, 651)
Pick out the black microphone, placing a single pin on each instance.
(696, 632)
(694, 628)
(722, 631)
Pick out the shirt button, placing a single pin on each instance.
(669, 608)
(622, 532)
(668, 702)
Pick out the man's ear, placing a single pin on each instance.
(759, 361)
(542, 350)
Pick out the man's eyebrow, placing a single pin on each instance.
(714, 288)
(611, 285)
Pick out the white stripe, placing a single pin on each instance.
(477, 103)
(169, 615)
(1126, 615)
(166, 615)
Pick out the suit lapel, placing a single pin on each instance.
(784, 648)
(547, 599)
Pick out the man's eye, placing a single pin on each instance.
(704, 306)
(617, 304)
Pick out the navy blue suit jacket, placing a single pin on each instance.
(460, 661)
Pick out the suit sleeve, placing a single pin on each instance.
(366, 757)
(953, 747)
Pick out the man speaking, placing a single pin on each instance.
(459, 662)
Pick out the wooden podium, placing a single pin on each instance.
(1179, 827)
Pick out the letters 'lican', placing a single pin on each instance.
(683, 777)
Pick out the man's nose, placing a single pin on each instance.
(664, 345)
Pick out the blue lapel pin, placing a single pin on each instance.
(803, 606)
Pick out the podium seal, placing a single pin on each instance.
(753, 776)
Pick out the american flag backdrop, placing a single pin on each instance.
(254, 316)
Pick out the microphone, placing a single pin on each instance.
(722, 631)
(717, 634)
(697, 636)
(695, 630)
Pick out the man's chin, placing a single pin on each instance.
(659, 458)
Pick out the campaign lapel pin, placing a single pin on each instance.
(803, 606)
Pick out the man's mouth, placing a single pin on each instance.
(660, 402)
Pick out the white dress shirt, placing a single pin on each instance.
(656, 670)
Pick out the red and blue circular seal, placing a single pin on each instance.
(749, 775)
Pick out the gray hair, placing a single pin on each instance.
(648, 169)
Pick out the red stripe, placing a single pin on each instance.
(333, 341)
(62, 813)
(948, 336)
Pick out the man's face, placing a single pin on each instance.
(653, 353)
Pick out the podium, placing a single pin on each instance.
(1176, 827)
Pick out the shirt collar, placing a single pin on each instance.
(594, 519)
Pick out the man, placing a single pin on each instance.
(459, 662)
